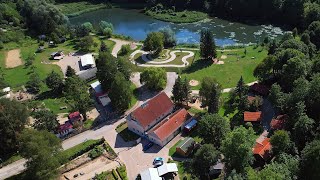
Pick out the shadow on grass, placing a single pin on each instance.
(197, 65)
(49, 95)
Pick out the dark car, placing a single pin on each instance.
(147, 146)
(157, 163)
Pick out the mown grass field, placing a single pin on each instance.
(233, 68)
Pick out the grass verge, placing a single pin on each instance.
(125, 133)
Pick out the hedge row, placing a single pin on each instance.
(122, 172)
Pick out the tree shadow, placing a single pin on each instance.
(197, 65)
(49, 95)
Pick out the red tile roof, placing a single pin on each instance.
(74, 115)
(168, 127)
(252, 116)
(261, 89)
(263, 149)
(64, 127)
(279, 122)
(153, 109)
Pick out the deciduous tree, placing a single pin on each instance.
(45, 120)
(210, 91)
(310, 162)
(280, 142)
(54, 81)
(207, 45)
(154, 78)
(154, 42)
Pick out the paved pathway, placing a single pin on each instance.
(119, 44)
(224, 90)
(163, 63)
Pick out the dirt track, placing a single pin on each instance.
(13, 58)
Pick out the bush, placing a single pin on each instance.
(96, 152)
(107, 32)
(122, 172)
(114, 172)
(1, 45)
(125, 49)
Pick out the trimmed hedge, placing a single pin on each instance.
(115, 174)
(122, 172)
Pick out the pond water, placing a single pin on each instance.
(137, 25)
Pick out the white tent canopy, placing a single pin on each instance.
(167, 168)
(150, 174)
(87, 60)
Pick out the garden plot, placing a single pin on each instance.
(13, 59)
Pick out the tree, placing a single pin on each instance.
(210, 92)
(237, 148)
(313, 98)
(77, 94)
(120, 93)
(13, 118)
(86, 43)
(207, 45)
(181, 91)
(277, 97)
(314, 32)
(105, 26)
(203, 159)
(70, 71)
(169, 37)
(125, 49)
(295, 32)
(125, 67)
(280, 142)
(45, 120)
(55, 82)
(303, 130)
(264, 70)
(154, 42)
(34, 83)
(294, 69)
(103, 47)
(213, 129)
(310, 162)
(88, 26)
(154, 78)
(272, 47)
(240, 96)
(107, 68)
(41, 149)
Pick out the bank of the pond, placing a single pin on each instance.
(177, 16)
(74, 9)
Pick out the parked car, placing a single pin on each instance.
(157, 163)
(147, 146)
(158, 159)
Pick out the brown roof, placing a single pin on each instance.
(260, 88)
(279, 122)
(153, 109)
(167, 127)
(263, 149)
(252, 116)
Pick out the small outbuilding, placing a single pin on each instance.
(262, 150)
(87, 61)
(191, 125)
(186, 147)
(252, 116)
(101, 96)
(57, 55)
(150, 174)
(167, 168)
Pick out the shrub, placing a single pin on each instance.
(1, 45)
(107, 32)
(96, 152)
(115, 174)
(122, 172)
(125, 49)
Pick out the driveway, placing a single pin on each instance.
(171, 79)
(119, 44)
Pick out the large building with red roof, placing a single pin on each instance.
(262, 150)
(156, 120)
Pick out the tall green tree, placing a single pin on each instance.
(34, 83)
(177, 94)
(280, 142)
(154, 42)
(107, 68)
(207, 45)
(310, 162)
(120, 93)
(210, 92)
(77, 94)
(169, 39)
(125, 67)
(45, 120)
(154, 78)
(41, 149)
(70, 71)
(240, 96)
(237, 149)
(203, 159)
(54, 81)
(86, 43)
(213, 128)
(13, 118)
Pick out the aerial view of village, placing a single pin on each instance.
(160, 89)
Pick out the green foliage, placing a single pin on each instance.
(213, 128)
(106, 70)
(34, 83)
(310, 162)
(13, 117)
(41, 149)
(203, 159)
(105, 28)
(169, 37)
(55, 82)
(77, 94)
(154, 42)
(120, 93)
(45, 120)
(122, 172)
(125, 49)
(96, 152)
(70, 71)
(207, 45)
(280, 142)
(154, 78)
(237, 148)
(86, 43)
(210, 92)
(181, 91)
(239, 97)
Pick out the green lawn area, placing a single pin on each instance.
(178, 60)
(12, 159)
(134, 98)
(172, 150)
(125, 133)
(77, 8)
(88, 124)
(178, 17)
(230, 72)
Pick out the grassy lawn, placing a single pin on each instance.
(88, 124)
(134, 98)
(229, 73)
(178, 17)
(172, 150)
(12, 159)
(77, 8)
(125, 133)
(178, 59)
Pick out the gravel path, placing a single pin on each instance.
(119, 44)
(173, 56)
